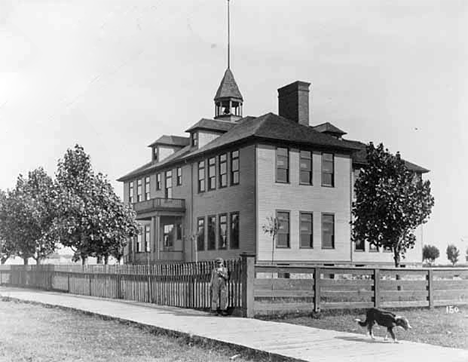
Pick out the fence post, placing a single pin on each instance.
(150, 289)
(119, 286)
(317, 297)
(377, 288)
(430, 288)
(248, 277)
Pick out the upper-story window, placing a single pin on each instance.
(194, 139)
(282, 164)
(328, 170)
(131, 190)
(305, 163)
(234, 167)
(168, 189)
(223, 170)
(179, 176)
(158, 181)
(147, 188)
(212, 173)
(201, 176)
(328, 231)
(139, 190)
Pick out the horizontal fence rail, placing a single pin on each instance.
(296, 289)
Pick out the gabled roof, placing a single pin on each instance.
(212, 125)
(360, 157)
(327, 127)
(274, 128)
(228, 87)
(171, 141)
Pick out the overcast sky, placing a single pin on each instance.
(114, 75)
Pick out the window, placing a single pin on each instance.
(306, 221)
(131, 190)
(282, 239)
(155, 154)
(234, 232)
(223, 170)
(147, 238)
(168, 189)
(147, 188)
(328, 170)
(158, 182)
(138, 242)
(168, 236)
(387, 249)
(359, 245)
(201, 234)
(328, 231)
(194, 139)
(234, 167)
(222, 232)
(282, 165)
(305, 162)
(139, 190)
(211, 232)
(179, 176)
(201, 176)
(211, 173)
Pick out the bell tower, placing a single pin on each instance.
(228, 99)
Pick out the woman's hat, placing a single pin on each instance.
(219, 260)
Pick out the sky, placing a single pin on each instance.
(115, 75)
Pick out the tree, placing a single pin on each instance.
(430, 253)
(6, 249)
(391, 201)
(453, 253)
(27, 216)
(271, 228)
(93, 220)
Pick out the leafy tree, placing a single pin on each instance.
(6, 249)
(93, 220)
(453, 253)
(430, 253)
(27, 216)
(391, 201)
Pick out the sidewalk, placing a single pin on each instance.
(280, 339)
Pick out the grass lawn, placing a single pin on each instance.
(30, 332)
(435, 326)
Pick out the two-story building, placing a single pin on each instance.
(212, 193)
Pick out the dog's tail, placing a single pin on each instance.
(361, 323)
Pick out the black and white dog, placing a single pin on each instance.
(385, 319)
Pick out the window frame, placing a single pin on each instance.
(201, 180)
(223, 175)
(226, 231)
(324, 172)
(211, 173)
(278, 167)
(288, 240)
(232, 215)
(201, 234)
(179, 176)
(211, 231)
(168, 184)
(311, 235)
(194, 139)
(333, 235)
(131, 192)
(147, 230)
(147, 188)
(360, 250)
(308, 171)
(139, 190)
(158, 181)
(234, 170)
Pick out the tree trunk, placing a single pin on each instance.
(25, 261)
(396, 257)
(106, 259)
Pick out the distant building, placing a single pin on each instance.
(209, 194)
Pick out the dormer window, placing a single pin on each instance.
(155, 154)
(194, 139)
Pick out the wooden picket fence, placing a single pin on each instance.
(185, 285)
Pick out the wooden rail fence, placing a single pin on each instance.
(253, 289)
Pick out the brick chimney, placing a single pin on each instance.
(293, 102)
